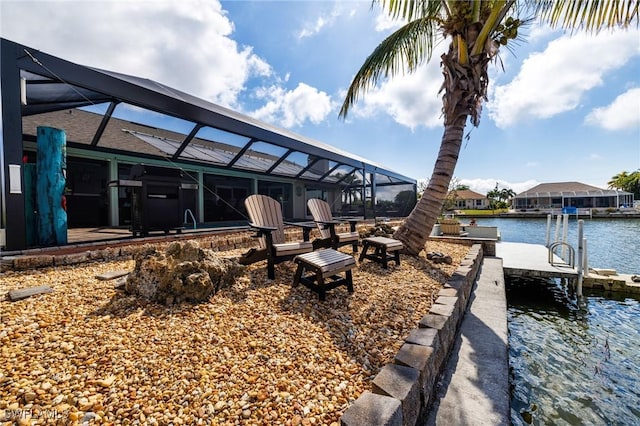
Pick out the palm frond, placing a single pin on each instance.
(409, 10)
(499, 10)
(588, 15)
(400, 53)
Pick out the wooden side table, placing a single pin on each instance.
(385, 249)
(323, 265)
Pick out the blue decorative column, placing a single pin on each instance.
(51, 168)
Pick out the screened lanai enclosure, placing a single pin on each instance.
(127, 139)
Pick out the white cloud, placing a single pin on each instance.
(532, 164)
(411, 100)
(292, 108)
(482, 186)
(384, 22)
(555, 80)
(538, 31)
(186, 45)
(313, 28)
(622, 113)
(594, 157)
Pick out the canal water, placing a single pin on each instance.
(575, 363)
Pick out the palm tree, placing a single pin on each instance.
(619, 181)
(625, 181)
(475, 30)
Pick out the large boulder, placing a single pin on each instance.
(184, 272)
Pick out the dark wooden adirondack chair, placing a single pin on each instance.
(321, 212)
(265, 214)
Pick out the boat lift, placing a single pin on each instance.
(571, 261)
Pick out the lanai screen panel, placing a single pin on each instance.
(260, 157)
(338, 173)
(225, 144)
(136, 130)
(208, 153)
(294, 163)
(80, 126)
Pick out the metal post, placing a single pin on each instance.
(557, 234)
(565, 229)
(585, 266)
(548, 234)
(200, 206)
(580, 254)
(12, 204)
(114, 211)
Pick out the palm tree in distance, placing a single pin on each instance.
(625, 181)
(475, 30)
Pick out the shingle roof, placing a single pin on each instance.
(467, 194)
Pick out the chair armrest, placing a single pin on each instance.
(302, 224)
(329, 222)
(306, 228)
(262, 228)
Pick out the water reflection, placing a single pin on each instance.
(570, 364)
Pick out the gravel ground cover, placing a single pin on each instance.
(260, 352)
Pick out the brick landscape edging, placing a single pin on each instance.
(118, 250)
(403, 390)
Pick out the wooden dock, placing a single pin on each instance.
(532, 260)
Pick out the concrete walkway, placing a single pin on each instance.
(474, 388)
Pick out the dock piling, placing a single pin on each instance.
(548, 234)
(585, 263)
(565, 230)
(580, 255)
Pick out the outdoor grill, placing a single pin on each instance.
(157, 198)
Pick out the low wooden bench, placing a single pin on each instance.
(324, 264)
(385, 249)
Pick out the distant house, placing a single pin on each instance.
(467, 199)
(571, 194)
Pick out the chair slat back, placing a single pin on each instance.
(321, 211)
(265, 211)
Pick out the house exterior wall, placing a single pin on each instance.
(482, 203)
(594, 202)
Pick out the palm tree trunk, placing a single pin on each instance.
(415, 230)
(465, 87)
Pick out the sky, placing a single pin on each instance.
(561, 107)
